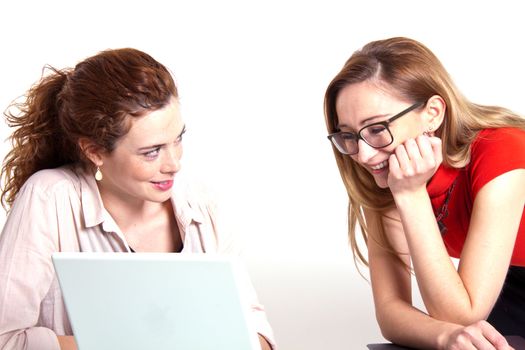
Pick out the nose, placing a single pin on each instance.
(365, 151)
(171, 160)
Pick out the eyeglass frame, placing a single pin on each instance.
(384, 123)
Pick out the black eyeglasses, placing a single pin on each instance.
(376, 135)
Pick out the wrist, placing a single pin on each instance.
(444, 336)
(410, 197)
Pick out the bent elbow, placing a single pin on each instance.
(388, 334)
(386, 326)
(462, 316)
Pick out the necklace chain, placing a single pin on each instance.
(443, 210)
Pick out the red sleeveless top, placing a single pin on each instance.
(452, 191)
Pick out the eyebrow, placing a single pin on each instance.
(159, 145)
(365, 121)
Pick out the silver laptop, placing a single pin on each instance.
(155, 301)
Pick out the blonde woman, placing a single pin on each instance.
(431, 175)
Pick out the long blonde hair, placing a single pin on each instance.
(415, 74)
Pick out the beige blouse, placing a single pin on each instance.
(61, 210)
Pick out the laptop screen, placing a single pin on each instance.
(155, 301)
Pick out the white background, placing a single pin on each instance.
(251, 76)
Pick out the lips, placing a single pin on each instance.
(163, 185)
(379, 166)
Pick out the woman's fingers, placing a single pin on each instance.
(403, 159)
(435, 143)
(493, 336)
(419, 156)
(394, 169)
(425, 147)
(480, 335)
(414, 162)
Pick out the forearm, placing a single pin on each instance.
(67, 342)
(440, 285)
(403, 324)
(264, 343)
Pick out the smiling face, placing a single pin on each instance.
(144, 162)
(362, 104)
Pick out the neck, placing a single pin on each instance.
(132, 212)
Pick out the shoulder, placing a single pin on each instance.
(495, 152)
(499, 145)
(48, 182)
(498, 138)
(51, 176)
(45, 202)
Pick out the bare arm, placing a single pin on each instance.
(468, 294)
(399, 321)
(402, 323)
(67, 342)
(264, 343)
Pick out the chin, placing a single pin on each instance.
(156, 197)
(160, 199)
(381, 182)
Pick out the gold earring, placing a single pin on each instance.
(98, 174)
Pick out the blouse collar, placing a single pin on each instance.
(94, 213)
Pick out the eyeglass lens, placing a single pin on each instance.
(376, 135)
